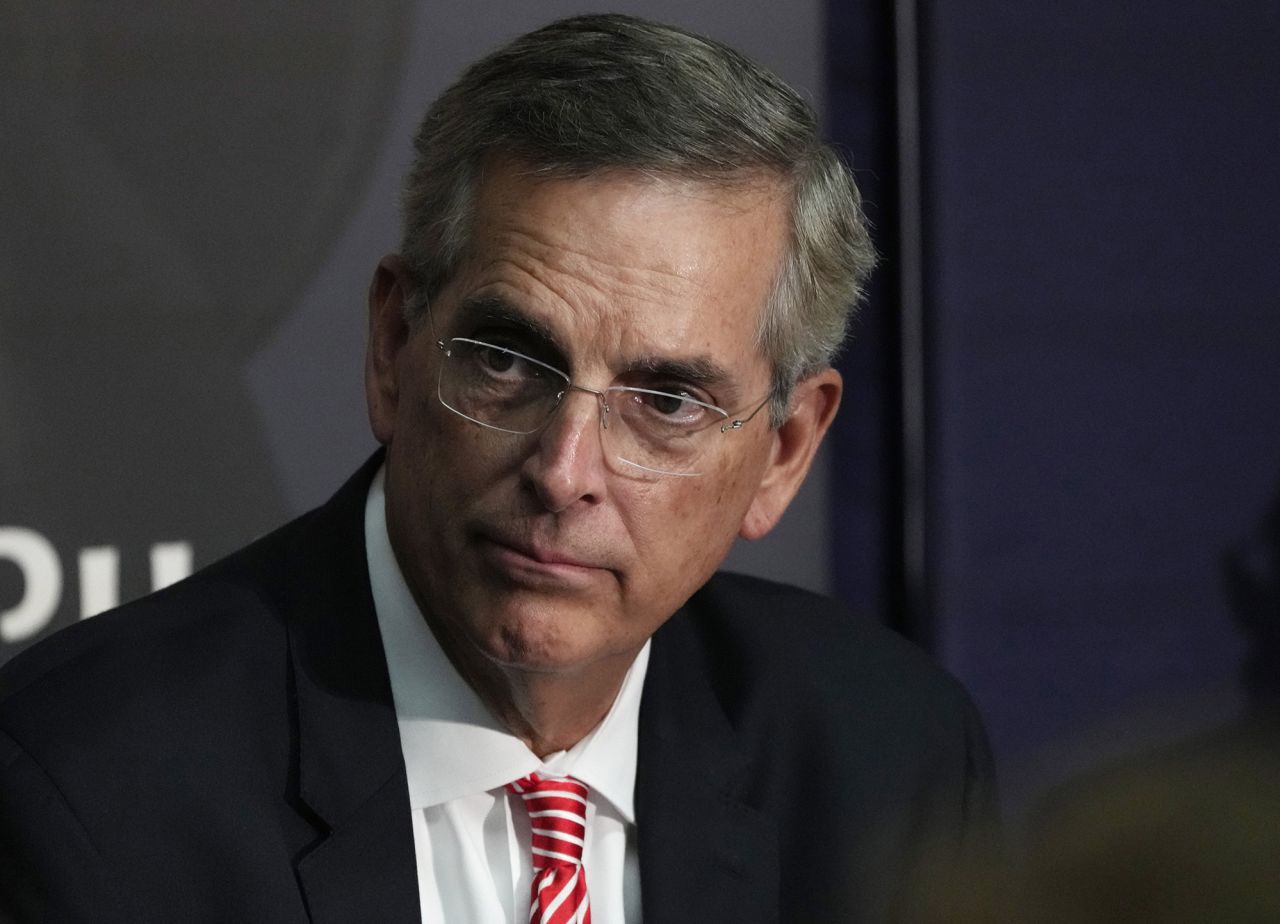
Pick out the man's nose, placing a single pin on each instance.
(567, 465)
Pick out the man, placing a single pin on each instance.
(602, 354)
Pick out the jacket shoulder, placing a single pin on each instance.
(806, 646)
(148, 638)
(826, 708)
(237, 604)
(184, 658)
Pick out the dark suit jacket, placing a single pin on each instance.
(227, 750)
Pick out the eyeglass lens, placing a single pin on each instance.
(505, 390)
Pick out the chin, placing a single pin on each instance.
(542, 636)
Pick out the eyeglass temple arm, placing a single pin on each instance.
(431, 321)
(738, 424)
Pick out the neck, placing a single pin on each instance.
(551, 712)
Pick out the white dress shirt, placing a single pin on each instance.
(472, 839)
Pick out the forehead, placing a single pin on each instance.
(620, 262)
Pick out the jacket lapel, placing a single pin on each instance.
(351, 776)
(705, 853)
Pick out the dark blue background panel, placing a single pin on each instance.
(1101, 195)
(865, 488)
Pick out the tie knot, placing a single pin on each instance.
(557, 807)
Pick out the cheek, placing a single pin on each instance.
(443, 447)
(726, 507)
(424, 458)
(688, 528)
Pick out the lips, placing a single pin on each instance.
(520, 558)
(544, 556)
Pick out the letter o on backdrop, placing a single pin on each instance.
(37, 559)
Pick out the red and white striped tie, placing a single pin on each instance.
(558, 813)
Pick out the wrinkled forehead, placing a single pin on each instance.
(665, 202)
(624, 263)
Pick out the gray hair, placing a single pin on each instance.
(601, 92)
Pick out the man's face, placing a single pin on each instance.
(541, 551)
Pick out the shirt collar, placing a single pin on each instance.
(452, 745)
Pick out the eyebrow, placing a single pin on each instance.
(495, 308)
(702, 371)
(697, 370)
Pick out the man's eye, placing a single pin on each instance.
(496, 360)
(676, 398)
(508, 364)
(670, 404)
(670, 408)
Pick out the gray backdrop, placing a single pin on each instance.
(195, 195)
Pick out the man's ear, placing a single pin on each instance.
(388, 332)
(814, 402)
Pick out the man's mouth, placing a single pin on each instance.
(531, 562)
